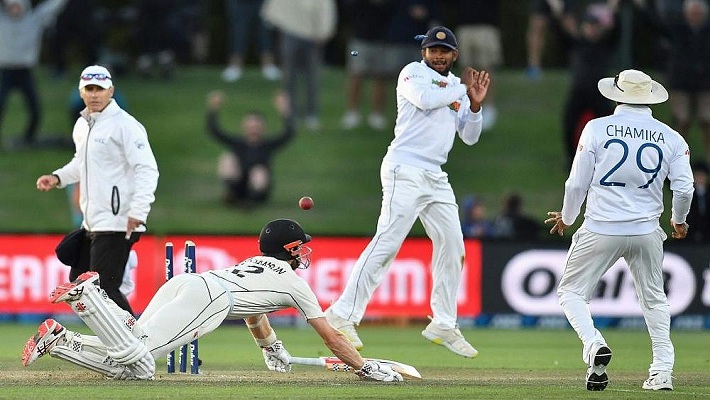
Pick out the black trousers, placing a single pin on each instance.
(109, 255)
(21, 79)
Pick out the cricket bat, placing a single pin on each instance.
(336, 364)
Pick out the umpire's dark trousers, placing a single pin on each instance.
(109, 255)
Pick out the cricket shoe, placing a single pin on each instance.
(452, 339)
(73, 290)
(600, 357)
(659, 381)
(48, 334)
(345, 327)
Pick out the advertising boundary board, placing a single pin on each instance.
(505, 283)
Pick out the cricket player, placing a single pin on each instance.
(433, 105)
(621, 163)
(192, 305)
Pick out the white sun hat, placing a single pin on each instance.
(632, 87)
(95, 75)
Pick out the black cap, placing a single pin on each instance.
(440, 36)
(278, 234)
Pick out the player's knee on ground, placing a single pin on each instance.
(136, 356)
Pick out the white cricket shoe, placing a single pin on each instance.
(48, 334)
(377, 121)
(271, 72)
(350, 120)
(600, 357)
(346, 327)
(659, 381)
(452, 339)
(312, 123)
(73, 290)
(232, 74)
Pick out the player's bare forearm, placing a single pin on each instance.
(337, 343)
(260, 328)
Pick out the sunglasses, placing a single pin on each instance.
(98, 77)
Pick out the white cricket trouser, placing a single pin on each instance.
(185, 308)
(409, 193)
(589, 257)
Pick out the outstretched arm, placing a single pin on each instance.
(337, 343)
(345, 351)
(215, 100)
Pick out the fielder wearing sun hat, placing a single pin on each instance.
(440, 36)
(95, 75)
(632, 87)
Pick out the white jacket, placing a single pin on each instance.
(115, 168)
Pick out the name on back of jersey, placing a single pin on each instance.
(622, 131)
(263, 262)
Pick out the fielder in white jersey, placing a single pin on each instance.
(432, 106)
(620, 167)
(190, 306)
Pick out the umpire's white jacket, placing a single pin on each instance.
(115, 168)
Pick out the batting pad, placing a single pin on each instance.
(94, 308)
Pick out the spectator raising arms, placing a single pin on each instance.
(21, 30)
(246, 168)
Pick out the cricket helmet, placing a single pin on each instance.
(284, 239)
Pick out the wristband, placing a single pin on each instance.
(267, 341)
(59, 180)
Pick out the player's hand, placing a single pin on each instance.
(215, 99)
(372, 370)
(559, 227)
(277, 357)
(477, 90)
(47, 182)
(680, 231)
(131, 226)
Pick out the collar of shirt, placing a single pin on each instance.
(633, 108)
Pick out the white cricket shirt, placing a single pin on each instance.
(431, 108)
(621, 163)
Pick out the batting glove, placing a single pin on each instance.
(277, 357)
(372, 370)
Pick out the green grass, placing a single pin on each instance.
(339, 169)
(513, 364)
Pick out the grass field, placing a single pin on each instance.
(339, 169)
(512, 364)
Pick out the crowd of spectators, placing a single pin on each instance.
(291, 40)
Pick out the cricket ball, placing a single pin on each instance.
(305, 203)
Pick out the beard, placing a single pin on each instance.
(445, 72)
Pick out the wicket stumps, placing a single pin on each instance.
(190, 266)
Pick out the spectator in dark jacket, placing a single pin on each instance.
(246, 168)
(592, 44)
(699, 215)
(689, 67)
(512, 223)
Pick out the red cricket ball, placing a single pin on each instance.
(305, 203)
